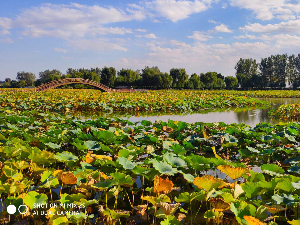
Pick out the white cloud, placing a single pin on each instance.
(141, 30)
(4, 32)
(212, 21)
(199, 36)
(268, 9)
(5, 23)
(61, 50)
(97, 45)
(177, 10)
(73, 20)
(289, 27)
(222, 28)
(150, 35)
(6, 40)
(198, 57)
(279, 40)
(65, 57)
(138, 35)
(224, 6)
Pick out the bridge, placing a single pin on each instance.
(61, 82)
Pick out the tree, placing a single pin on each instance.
(211, 81)
(14, 84)
(49, 75)
(6, 85)
(245, 69)
(194, 82)
(7, 80)
(108, 76)
(21, 83)
(280, 64)
(179, 77)
(152, 77)
(231, 82)
(127, 77)
(291, 70)
(165, 81)
(28, 77)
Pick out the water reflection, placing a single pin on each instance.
(250, 116)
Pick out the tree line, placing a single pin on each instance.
(149, 78)
(275, 71)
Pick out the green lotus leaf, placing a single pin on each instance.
(146, 123)
(104, 185)
(178, 149)
(285, 184)
(294, 222)
(127, 164)
(45, 175)
(92, 145)
(241, 209)
(65, 157)
(272, 169)
(53, 145)
(174, 160)
(231, 139)
(122, 179)
(251, 189)
(9, 172)
(284, 198)
(114, 214)
(252, 149)
(61, 220)
(33, 197)
(227, 197)
(164, 167)
(171, 220)
(261, 213)
(212, 214)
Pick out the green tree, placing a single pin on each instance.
(194, 82)
(7, 80)
(245, 69)
(152, 77)
(211, 81)
(21, 84)
(179, 77)
(6, 85)
(108, 76)
(27, 77)
(165, 81)
(231, 82)
(291, 70)
(127, 77)
(280, 64)
(49, 75)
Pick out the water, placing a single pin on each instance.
(249, 116)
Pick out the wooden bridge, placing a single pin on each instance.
(61, 82)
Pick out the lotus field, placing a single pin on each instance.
(56, 169)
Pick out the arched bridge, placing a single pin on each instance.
(57, 83)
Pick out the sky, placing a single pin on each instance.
(198, 35)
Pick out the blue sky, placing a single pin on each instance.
(198, 35)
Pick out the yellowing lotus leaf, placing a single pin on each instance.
(162, 185)
(232, 172)
(208, 182)
(219, 205)
(102, 157)
(275, 208)
(68, 178)
(89, 158)
(253, 221)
